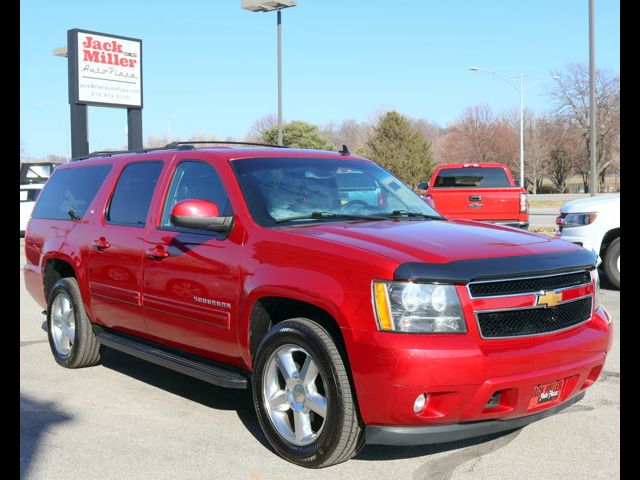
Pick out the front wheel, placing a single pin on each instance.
(302, 395)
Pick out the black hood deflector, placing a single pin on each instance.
(465, 271)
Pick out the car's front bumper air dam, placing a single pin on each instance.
(392, 435)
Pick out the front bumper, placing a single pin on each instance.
(453, 433)
(461, 373)
(579, 237)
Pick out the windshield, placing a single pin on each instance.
(278, 189)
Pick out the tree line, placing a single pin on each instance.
(556, 142)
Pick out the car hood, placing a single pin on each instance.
(433, 241)
(592, 204)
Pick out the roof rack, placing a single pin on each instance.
(187, 144)
(177, 145)
(108, 153)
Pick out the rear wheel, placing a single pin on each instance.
(611, 263)
(303, 397)
(71, 337)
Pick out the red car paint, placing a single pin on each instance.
(503, 205)
(330, 266)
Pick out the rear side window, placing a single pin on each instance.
(472, 177)
(69, 192)
(132, 196)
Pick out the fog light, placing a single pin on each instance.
(420, 402)
(493, 401)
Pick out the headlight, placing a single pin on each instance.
(578, 219)
(417, 307)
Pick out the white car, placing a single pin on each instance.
(28, 195)
(594, 223)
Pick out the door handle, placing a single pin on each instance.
(475, 198)
(158, 252)
(100, 244)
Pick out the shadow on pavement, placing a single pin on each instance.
(35, 418)
(241, 401)
(187, 387)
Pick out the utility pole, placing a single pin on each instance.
(593, 190)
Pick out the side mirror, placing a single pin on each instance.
(200, 214)
(423, 185)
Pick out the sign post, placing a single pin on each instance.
(104, 70)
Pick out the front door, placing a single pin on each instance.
(191, 278)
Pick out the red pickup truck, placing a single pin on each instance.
(478, 191)
(351, 310)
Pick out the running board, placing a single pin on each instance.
(202, 369)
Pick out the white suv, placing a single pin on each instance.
(594, 223)
(28, 196)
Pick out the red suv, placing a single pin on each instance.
(353, 318)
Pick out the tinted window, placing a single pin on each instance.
(133, 192)
(196, 181)
(472, 177)
(69, 192)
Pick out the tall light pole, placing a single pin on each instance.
(521, 90)
(592, 100)
(268, 6)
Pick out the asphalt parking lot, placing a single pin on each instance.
(132, 420)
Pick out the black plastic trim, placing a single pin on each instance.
(197, 367)
(459, 431)
(465, 271)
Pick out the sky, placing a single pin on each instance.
(209, 67)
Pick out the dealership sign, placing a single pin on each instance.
(104, 69)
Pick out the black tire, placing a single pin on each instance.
(341, 436)
(610, 263)
(85, 351)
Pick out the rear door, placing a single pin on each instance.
(477, 193)
(115, 271)
(192, 277)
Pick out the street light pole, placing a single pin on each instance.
(521, 131)
(592, 100)
(279, 78)
(520, 90)
(268, 6)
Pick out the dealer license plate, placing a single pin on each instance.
(546, 394)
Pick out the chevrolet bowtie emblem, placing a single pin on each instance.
(549, 298)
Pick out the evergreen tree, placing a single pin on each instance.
(298, 134)
(400, 148)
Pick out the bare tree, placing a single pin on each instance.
(571, 97)
(260, 126)
(564, 150)
(352, 133)
(478, 136)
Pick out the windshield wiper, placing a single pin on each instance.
(398, 213)
(321, 215)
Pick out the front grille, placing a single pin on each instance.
(528, 285)
(532, 321)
